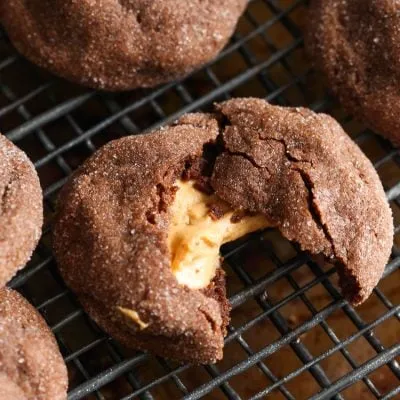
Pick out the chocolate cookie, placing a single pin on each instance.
(356, 44)
(31, 366)
(120, 45)
(21, 209)
(140, 224)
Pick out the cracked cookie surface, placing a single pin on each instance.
(355, 43)
(31, 366)
(120, 45)
(21, 209)
(296, 170)
(312, 181)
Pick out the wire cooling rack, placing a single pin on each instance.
(292, 335)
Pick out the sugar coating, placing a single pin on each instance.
(302, 171)
(297, 168)
(31, 366)
(356, 44)
(120, 44)
(122, 261)
(21, 209)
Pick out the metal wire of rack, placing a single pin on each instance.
(292, 335)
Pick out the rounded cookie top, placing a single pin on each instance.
(21, 209)
(31, 366)
(355, 43)
(120, 45)
(304, 173)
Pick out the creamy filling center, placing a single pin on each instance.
(195, 237)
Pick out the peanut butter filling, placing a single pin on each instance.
(132, 316)
(195, 237)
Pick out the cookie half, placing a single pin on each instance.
(31, 366)
(120, 45)
(21, 209)
(140, 224)
(355, 43)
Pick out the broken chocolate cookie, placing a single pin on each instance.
(31, 366)
(21, 209)
(140, 224)
(120, 45)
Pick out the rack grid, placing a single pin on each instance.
(292, 335)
